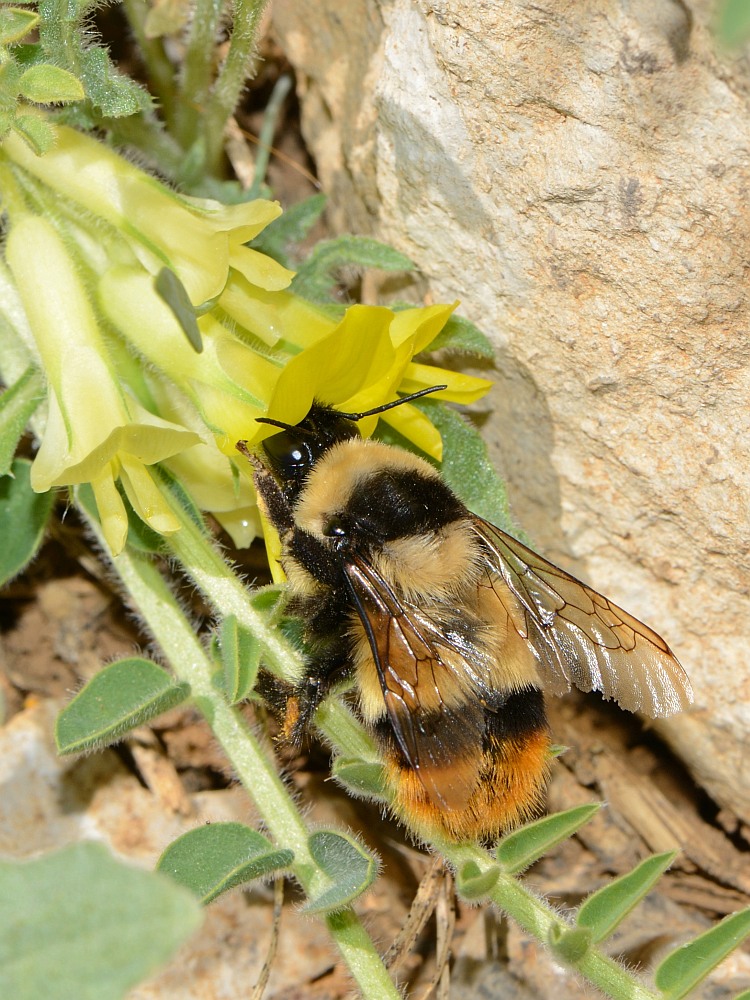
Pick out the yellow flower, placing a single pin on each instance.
(364, 361)
(265, 351)
(227, 382)
(199, 239)
(95, 431)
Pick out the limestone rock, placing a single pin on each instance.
(577, 174)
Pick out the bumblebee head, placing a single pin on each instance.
(293, 453)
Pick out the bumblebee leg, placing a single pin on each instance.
(275, 505)
(322, 677)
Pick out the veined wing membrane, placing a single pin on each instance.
(579, 637)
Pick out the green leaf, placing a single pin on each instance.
(23, 518)
(350, 867)
(37, 132)
(113, 94)
(361, 777)
(463, 337)
(79, 925)
(217, 857)
(523, 847)
(466, 467)
(15, 24)
(604, 909)
(17, 404)
(733, 26)
(121, 696)
(570, 943)
(169, 287)
(10, 77)
(289, 229)
(318, 276)
(268, 598)
(47, 84)
(689, 964)
(474, 884)
(240, 659)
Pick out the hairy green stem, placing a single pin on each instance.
(238, 67)
(258, 774)
(228, 595)
(511, 896)
(197, 75)
(161, 72)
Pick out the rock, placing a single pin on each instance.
(577, 175)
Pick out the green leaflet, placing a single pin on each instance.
(217, 857)
(604, 909)
(349, 866)
(79, 925)
(120, 697)
(25, 515)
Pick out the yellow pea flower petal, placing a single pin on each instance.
(191, 236)
(145, 497)
(112, 513)
(422, 325)
(412, 424)
(260, 269)
(355, 354)
(273, 316)
(242, 525)
(461, 388)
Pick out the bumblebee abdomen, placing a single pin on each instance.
(483, 787)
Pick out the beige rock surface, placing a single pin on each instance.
(577, 173)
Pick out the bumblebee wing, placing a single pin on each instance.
(425, 675)
(578, 636)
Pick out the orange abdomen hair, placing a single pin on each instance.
(485, 776)
(509, 790)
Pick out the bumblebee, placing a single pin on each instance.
(452, 630)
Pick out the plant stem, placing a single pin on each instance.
(161, 72)
(197, 75)
(511, 896)
(207, 568)
(267, 131)
(238, 67)
(258, 774)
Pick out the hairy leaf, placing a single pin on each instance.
(24, 515)
(348, 865)
(79, 925)
(604, 909)
(120, 697)
(217, 857)
(317, 277)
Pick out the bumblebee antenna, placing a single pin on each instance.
(395, 402)
(275, 423)
(357, 416)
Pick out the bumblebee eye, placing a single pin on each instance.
(334, 527)
(290, 455)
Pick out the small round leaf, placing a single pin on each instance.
(212, 859)
(351, 868)
(120, 697)
(79, 925)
